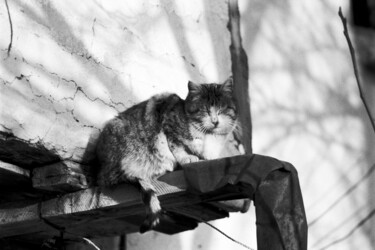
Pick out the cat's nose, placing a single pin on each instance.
(214, 120)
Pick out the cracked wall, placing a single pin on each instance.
(74, 65)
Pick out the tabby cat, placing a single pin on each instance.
(154, 136)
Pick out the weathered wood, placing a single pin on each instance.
(12, 175)
(16, 187)
(24, 153)
(96, 212)
(102, 212)
(65, 176)
(238, 205)
(200, 212)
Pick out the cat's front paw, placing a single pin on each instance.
(188, 159)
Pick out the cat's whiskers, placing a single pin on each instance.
(199, 129)
(203, 129)
(235, 126)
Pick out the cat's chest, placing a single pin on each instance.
(208, 146)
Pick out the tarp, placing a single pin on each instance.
(273, 186)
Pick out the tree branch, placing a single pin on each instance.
(352, 54)
(353, 230)
(11, 28)
(240, 73)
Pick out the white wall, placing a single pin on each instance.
(82, 62)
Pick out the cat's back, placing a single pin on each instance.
(141, 117)
(135, 135)
(118, 128)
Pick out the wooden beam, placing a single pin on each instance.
(15, 186)
(96, 212)
(237, 205)
(65, 176)
(12, 175)
(24, 153)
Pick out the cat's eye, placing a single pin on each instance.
(226, 108)
(207, 109)
(193, 109)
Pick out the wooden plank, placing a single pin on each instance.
(112, 211)
(12, 175)
(66, 176)
(200, 212)
(16, 186)
(92, 206)
(24, 153)
(237, 205)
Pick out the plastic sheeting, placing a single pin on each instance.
(273, 186)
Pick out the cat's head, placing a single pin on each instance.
(211, 107)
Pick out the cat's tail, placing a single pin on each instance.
(153, 208)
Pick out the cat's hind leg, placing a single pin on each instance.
(152, 203)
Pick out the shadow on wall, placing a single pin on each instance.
(56, 89)
(61, 32)
(307, 110)
(59, 91)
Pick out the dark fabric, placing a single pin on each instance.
(273, 185)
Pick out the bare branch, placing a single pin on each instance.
(353, 230)
(342, 196)
(352, 54)
(240, 73)
(11, 28)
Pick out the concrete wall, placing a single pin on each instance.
(74, 64)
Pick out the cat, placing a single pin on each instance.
(154, 136)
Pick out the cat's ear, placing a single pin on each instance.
(194, 87)
(227, 86)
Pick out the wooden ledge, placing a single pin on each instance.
(105, 212)
(186, 195)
